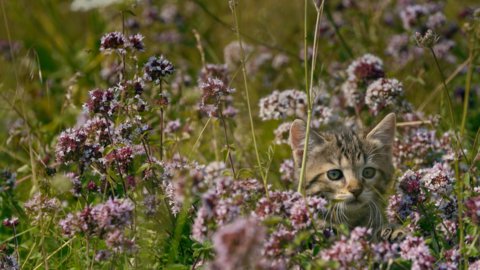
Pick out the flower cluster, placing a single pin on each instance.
(215, 93)
(384, 93)
(117, 42)
(238, 245)
(40, 207)
(7, 180)
(280, 105)
(422, 147)
(366, 85)
(107, 221)
(421, 189)
(158, 68)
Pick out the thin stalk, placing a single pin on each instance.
(222, 119)
(16, 243)
(161, 122)
(460, 184)
(309, 85)
(244, 72)
(468, 82)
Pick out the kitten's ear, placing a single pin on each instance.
(297, 139)
(384, 132)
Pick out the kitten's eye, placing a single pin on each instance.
(334, 175)
(369, 172)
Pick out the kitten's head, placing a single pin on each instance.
(344, 166)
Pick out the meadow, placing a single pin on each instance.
(154, 134)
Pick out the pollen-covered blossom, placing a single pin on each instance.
(280, 105)
(238, 244)
(157, 68)
(384, 93)
(113, 42)
(349, 253)
(416, 250)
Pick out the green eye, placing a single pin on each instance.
(334, 175)
(369, 172)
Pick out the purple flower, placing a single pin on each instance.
(102, 101)
(280, 105)
(215, 91)
(282, 133)
(416, 250)
(114, 41)
(136, 42)
(214, 71)
(157, 68)
(173, 126)
(238, 244)
(118, 242)
(365, 69)
(410, 183)
(473, 208)
(349, 253)
(11, 222)
(384, 93)
(287, 170)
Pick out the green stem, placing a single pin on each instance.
(459, 148)
(244, 72)
(309, 85)
(467, 87)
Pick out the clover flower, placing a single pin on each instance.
(157, 68)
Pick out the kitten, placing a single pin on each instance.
(352, 171)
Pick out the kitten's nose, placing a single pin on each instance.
(356, 191)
